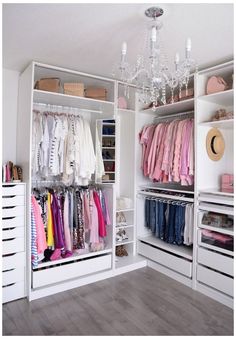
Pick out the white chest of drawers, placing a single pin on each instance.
(13, 241)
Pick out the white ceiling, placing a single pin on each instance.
(88, 37)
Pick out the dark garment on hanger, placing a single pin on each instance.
(57, 222)
(80, 226)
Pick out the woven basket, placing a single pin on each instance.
(97, 93)
(76, 89)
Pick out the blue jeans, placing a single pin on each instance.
(170, 229)
(147, 213)
(161, 220)
(179, 224)
(152, 211)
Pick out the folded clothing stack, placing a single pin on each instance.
(217, 239)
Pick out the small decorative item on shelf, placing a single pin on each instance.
(221, 114)
(97, 93)
(185, 94)
(122, 103)
(48, 84)
(215, 144)
(121, 251)
(11, 172)
(216, 84)
(76, 89)
(227, 183)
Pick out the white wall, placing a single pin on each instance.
(9, 117)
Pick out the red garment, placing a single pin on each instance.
(101, 223)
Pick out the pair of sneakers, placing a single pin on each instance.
(120, 219)
(121, 235)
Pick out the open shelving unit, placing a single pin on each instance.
(213, 260)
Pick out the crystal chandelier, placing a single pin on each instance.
(151, 74)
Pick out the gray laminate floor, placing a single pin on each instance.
(142, 302)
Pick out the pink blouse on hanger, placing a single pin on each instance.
(41, 237)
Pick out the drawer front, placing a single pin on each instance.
(15, 260)
(216, 261)
(177, 264)
(13, 246)
(212, 245)
(17, 221)
(13, 292)
(15, 232)
(216, 280)
(13, 211)
(13, 276)
(16, 200)
(70, 271)
(13, 190)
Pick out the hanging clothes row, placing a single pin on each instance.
(67, 220)
(62, 146)
(168, 151)
(170, 220)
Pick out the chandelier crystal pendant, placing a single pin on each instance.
(151, 74)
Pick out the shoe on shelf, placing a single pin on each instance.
(124, 235)
(121, 251)
(123, 219)
(119, 236)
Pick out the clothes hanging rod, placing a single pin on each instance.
(68, 107)
(167, 196)
(174, 115)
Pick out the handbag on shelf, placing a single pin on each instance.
(216, 84)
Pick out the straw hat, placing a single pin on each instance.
(215, 144)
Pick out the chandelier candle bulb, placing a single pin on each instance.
(154, 34)
(124, 48)
(188, 45)
(177, 58)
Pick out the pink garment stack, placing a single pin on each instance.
(168, 151)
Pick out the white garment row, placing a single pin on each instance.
(62, 146)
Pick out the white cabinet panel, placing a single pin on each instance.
(216, 280)
(17, 221)
(70, 271)
(13, 292)
(17, 200)
(13, 189)
(216, 261)
(173, 262)
(13, 211)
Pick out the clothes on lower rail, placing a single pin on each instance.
(168, 151)
(69, 220)
(62, 146)
(170, 221)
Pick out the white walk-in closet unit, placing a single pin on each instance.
(133, 199)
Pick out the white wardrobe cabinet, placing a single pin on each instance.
(13, 242)
(104, 120)
(200, 266)
(214, 241)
